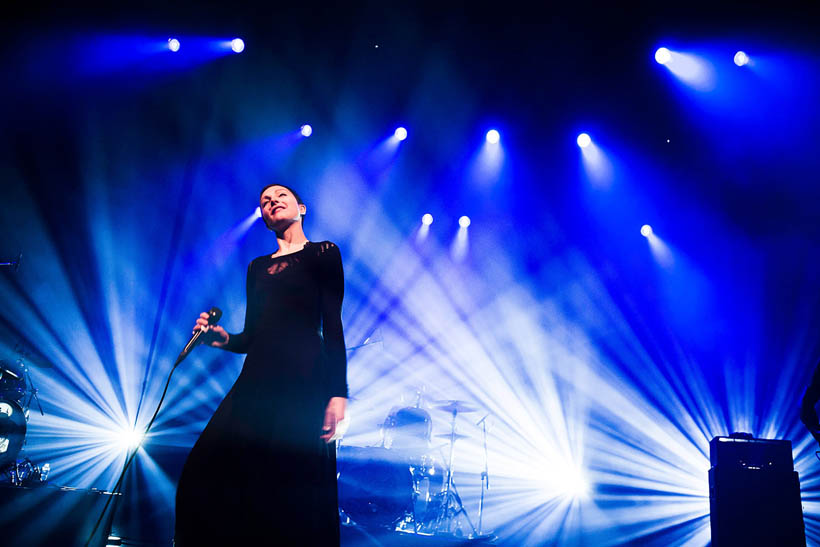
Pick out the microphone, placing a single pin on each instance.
(214, 315)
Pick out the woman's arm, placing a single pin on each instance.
(331, 278)
(240, 342)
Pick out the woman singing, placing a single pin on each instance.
(264, 468)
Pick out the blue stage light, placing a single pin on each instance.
(663, 55)
(464, 221)
(646, 230)
(400, 133)
(493, 136)
(427, 219)
(238, 45)
(741, 58)
(583, 140)
(306, 130)
(173, 44)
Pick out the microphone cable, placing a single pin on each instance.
(214, 315)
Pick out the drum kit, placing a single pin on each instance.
(406, 484)
(17, 392)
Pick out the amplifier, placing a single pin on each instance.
(754, 494)
(748, 453)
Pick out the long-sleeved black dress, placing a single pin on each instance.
(259, 472)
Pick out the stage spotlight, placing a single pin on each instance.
(741, 58)
(128, 438)
(464, 221)
(427, 219)
(663, 55)
(257, 213)
(237, 45)
(573, 483)
(646, 230)
(400, 133)
(583, 140)
(493, 136)
(173, 44)
(306, 130)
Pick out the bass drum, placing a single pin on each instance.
(375, 486)
(12, 431)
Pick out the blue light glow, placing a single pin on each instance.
(597, 165)
(427, 219)
(237, 45)
(741, 59)
(306, 130)
(692, 69)
(493, 136)
(173, 44)
(646, 230)
(400, 133)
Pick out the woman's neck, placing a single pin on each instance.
(292, 239)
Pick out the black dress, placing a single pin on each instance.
(259, 472)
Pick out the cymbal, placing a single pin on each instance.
(455, 406)
(457, 436)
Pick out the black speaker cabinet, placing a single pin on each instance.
(49, 516)
(754, 497)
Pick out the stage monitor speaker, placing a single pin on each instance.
(754, 494)
(51, 516)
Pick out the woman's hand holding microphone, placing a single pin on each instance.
(212, 335)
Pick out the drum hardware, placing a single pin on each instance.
(485, 475)
(16, 393)
(402, 485)
(453, 405)
(12, 432)
(25, 473)
(451, 505)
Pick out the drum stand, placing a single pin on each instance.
(452, 505)
(485, 475)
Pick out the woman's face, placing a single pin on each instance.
(280, 208)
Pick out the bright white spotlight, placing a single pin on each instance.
(741, 58)
(400, 133)
(464, 221)
(583, 140)
(646, 230)
(128, 438)
(306, 130)
(663, 55)
(493, 136)
(427, 219)
(238, 45)
(577, 485)
(173, 44)
(257, 213)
